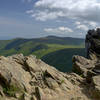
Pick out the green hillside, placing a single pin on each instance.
(45, 48)
(36, 46)
(62, 59)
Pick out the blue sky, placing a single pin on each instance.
(38, 18)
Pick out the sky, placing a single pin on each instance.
(39, 18)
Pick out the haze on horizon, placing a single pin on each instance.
(39, 18)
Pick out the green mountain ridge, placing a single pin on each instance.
(42, 47)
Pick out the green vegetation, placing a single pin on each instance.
(53, 48)
(56, 51)
(11, 90)
(62, 59)
(62, 81)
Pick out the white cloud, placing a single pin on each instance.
(94, 24)
(66, 29)
(83, 9)
(80, 15)
(46, 14)
(86, 24)
(82, 27)
(29, 11)
(91, 23)
(77, 23)
(59, 30)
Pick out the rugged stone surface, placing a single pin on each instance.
(28, 78)
(90, 68)
(82, 65)
(96, 86)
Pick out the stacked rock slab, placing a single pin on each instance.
(28, 78)
(89, 67)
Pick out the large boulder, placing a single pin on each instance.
(82, 65)
(13, 74)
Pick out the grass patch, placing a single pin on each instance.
(11, 90)
(62, 81)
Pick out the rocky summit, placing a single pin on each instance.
(29, 78)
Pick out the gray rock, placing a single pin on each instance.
(39, 93)
(93, 42)
(32, 65)
(95, 88)
(96, 69)
(51, 83)
(82, 65)
(12, 73)
(26, 96)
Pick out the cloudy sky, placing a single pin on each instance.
(38, 18)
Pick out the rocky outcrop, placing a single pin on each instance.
(93, 43)
(89, 68)
(29, 78)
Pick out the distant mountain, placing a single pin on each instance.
(60, 40)
(48, 39)
(41, 47)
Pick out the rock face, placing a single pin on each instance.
(89, 67)
(93, 42)
(28, 78)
